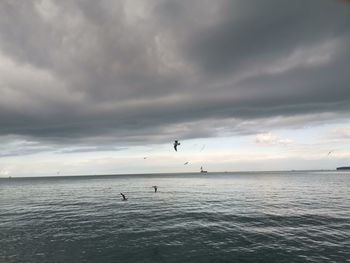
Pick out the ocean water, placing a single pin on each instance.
(221, 217)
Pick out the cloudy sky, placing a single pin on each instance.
(96, 87)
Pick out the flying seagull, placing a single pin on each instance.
(185, 163)
(330, 152)
(124, 198)
(176, 143)
(155, 188)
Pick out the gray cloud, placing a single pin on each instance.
(100, 72)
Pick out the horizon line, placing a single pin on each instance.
(162, 173)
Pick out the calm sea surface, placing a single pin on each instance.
(232, 217)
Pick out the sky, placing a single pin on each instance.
(105, 87)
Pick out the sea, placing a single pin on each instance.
(293, 216)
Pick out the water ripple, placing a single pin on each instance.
(219, 218)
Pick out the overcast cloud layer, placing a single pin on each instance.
(136, 72)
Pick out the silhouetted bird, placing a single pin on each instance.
(155, 188)
(124, 198)
(185, 163)
(176, 143)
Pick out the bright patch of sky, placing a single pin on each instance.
(322, 147)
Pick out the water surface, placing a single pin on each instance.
(221, 217)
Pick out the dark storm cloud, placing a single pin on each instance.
(261, 31)
(133, 72)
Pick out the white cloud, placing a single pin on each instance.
(269, 138)
(341, 133)
(47, 9)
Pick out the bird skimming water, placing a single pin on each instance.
(124, 198)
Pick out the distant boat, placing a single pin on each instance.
(343, 168)
(203, 171)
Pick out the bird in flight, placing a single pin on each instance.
(329, 152)
(185, 163)
(124, 198)
(176, 143)
(155, 188)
